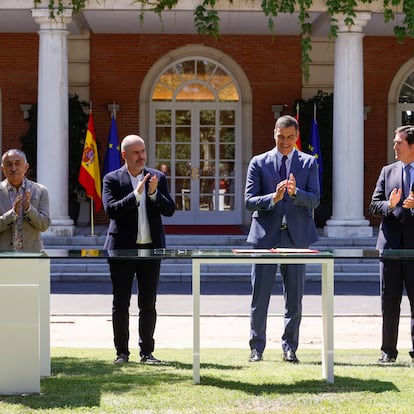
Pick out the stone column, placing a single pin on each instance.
(348, 134)
(52, 116)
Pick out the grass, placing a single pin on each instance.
(85, 381)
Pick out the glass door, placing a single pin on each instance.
(197, 149)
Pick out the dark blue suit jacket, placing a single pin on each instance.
(397, 227)
(262, 178)
(121, 205)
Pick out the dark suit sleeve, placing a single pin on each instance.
(118, 200)
(259, 189)
(379, 200)
(163, 202)
(307, 184)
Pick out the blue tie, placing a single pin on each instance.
(407, 180)
(282, 170)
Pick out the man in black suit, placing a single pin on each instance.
(135, 197)
(394, 202)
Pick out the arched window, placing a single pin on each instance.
(197, 80)
(406, 97)
(197, 116)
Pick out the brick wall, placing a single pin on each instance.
(18, 83)
(383, 57)
(119, 64)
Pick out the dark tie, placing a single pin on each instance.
(282, 170)
(407, 180)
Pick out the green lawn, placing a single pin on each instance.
(86, 381)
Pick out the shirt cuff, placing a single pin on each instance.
(153, 196)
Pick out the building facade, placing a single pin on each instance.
(204, 106)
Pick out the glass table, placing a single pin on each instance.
(25, 294)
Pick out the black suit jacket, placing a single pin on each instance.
(397, 227)
(121, 205)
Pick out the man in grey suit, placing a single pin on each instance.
(282, 189)
(393, 200)
(24, 206)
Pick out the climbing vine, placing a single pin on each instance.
(207, 18)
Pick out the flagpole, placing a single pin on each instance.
(92, 222)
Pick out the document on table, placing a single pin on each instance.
(278, 250)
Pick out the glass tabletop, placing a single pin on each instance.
(239, 253)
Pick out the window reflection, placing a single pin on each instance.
(195, 80)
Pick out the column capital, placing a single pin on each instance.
(360, 21)
(59, 22)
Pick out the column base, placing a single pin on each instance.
(347, 228)
(60, 228)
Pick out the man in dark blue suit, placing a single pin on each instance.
(394, 202)
(135, 197)
(282, 189)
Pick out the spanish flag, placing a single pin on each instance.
(89, 175)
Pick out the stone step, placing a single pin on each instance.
(176, 270)
(176, 266)
(214, 277)
(89, 269)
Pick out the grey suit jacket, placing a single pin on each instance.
(397, 226)
(262, 178)
(34, 222)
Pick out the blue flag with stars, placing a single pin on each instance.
(113, 155)
(315, 149)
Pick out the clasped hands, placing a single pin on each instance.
(22, 201)
(395, 198)
(152, 185)
(288, 185)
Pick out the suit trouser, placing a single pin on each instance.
(293, 281)
(395, 275)
(122, 275)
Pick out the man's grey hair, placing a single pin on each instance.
(12, 151)
(130, 140)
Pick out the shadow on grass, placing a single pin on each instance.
(341, 385)
(81, 383)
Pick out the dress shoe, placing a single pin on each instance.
(386, 359)
(255, 356)
(290, 356)
(121, 359)
(149, 360)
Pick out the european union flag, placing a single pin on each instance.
(112, 156)
(315, 149)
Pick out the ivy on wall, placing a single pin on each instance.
(207, 19)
